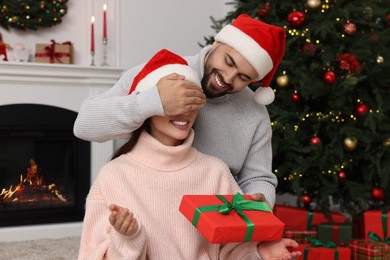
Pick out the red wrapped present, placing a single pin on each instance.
(377, 225)
(228, 218)
(319, 251)
(54, 52)
(299, 235)
(341, 234)
(302, 219)
(367, 249)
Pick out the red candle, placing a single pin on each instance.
(105, 22)
(92, 34)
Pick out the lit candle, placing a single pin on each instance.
(104, 22)
(92, 34)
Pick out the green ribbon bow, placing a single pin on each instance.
(239, 204)
(318, 243)
(375, 236)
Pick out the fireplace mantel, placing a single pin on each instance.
(59, 85)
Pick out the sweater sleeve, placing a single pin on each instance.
(100, 241)
(115, 114)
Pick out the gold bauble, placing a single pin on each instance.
(313, 4)
(282, 81)
(350, 144)
(380, 59)
(386, 142)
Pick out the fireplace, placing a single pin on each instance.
(44, 168)
(38, 151)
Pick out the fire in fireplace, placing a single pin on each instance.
(44, 168)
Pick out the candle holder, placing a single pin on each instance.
(105, 63)
(92, 58)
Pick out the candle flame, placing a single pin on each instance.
(92, 19)
(105, 7)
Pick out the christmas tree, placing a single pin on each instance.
(331, 115)
(31, 14)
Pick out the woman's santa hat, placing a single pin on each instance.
(160, 65)
(261, 44)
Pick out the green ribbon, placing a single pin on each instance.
(318, 243)
(310, 216)
(375, 236)
(239, 204)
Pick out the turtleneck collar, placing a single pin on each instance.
(150, 152)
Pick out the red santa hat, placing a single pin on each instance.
(160, 65)
(261, 44)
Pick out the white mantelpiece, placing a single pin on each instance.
(59, 85)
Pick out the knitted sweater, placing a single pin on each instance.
(233, 128)
(150, 181)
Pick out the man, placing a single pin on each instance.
(232, 126)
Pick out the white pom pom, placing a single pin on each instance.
(264, 96)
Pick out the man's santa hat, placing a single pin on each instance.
(160, 65)
(261, 44)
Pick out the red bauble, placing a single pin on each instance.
(329, 77)
(350, 28)
(296, 19)
(306, 199)
(309, 48)
(361, 109)
(295, 97)
(342, 175)
(377, 193)
(315, 140)
(263, 10)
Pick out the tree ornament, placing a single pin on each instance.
(309, 47)
(350, 144)
(377, 194)
(349, 62)
(388, 19)
(295, 97)
(350, 28)
(282, 81)
(296, 19)
(380, 59)
(361, 109)
(329, 77)
(386, 142)
(368, 13)
(264, 10)
(306, 199)
(313, 4)
(342, 175)
(315, 140)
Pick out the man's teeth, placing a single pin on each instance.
(179, 123)
(218, 82)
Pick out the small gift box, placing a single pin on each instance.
(228, 218)
(338, 233)
(321, 251)
(302, 219)
(300, 236)
(377, 225)
(367, 249)
(54, 52)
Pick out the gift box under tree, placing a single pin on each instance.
(318, 250)
(300, 236)
(228, 218)
(341, 234)
(303, 219)
(54, 53)
(376, 225)
(368, 249)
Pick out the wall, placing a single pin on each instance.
(136, 29)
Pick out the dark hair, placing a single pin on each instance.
(129, 145)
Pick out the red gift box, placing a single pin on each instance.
(377, 223)
(310, 252)
(302, 219)
(300, 236)
(368, 249)
(206, 213)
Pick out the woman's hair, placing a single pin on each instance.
(129, 145)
